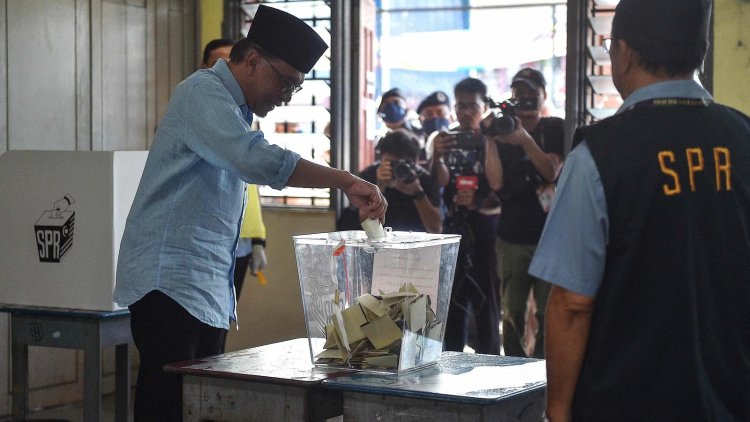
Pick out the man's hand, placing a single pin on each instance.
(517, 137)
(443, 143)
(410, 188)
(384, 174)
(258, 259)
(548, 165)
(465, 198)
(367, 197)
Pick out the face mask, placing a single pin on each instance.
(392, 113)
(435, 124)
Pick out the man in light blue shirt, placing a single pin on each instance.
(176, 258)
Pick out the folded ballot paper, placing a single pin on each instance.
(378, 331)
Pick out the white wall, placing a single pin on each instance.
(84, 75)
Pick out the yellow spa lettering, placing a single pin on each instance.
(696, 164)
(723, 166)
(669, 191)
(694, 167)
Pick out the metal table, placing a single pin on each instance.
(265, 383)
(461, 387)
(71, 329)
(278, 382)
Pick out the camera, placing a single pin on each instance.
(463, 158)
(466, 140)
(504, 114)
(404, 171)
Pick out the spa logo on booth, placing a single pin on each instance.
(54, 230)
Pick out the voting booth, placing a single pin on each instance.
(63, 215)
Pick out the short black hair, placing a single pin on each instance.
(400, 143)
(472, 86)
(244, 46)
(213, 45)
(670, 36)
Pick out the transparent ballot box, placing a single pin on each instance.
(376, 305)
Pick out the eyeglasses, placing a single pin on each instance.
(607, 44)
(290, 87)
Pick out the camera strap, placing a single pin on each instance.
(531, 172)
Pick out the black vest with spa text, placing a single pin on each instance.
(670, 332)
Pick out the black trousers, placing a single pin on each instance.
(241, 264)
(164, 332)
(475, 292)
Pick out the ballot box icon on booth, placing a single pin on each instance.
(54, 230)
(57, 251)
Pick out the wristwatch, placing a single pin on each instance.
(419, 195)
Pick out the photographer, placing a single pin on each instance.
(413, 197)
(471, 167)
(530, 148)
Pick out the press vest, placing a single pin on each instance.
(670, 332)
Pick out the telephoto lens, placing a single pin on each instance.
(504, 121)
(503, 125)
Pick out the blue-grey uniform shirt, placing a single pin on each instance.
(572, 250)
(182, 230)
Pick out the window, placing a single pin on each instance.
(601, 96)
(429, 45)
(300, 125)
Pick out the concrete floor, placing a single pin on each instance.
(74, 412)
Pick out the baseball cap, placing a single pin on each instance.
(436, 98)
(393, 92)
(530, 77)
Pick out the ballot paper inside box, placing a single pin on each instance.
(376, 306)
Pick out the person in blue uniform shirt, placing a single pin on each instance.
(176, 258)
(648, 244)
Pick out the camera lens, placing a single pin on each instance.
(402, 171)
(504, 125)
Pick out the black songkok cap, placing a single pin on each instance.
(393, 92)
(673, 29)
(286, 37)
(530, 77)
(436, 98)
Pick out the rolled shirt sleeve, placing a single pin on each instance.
(216, 131)
(572, 249)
